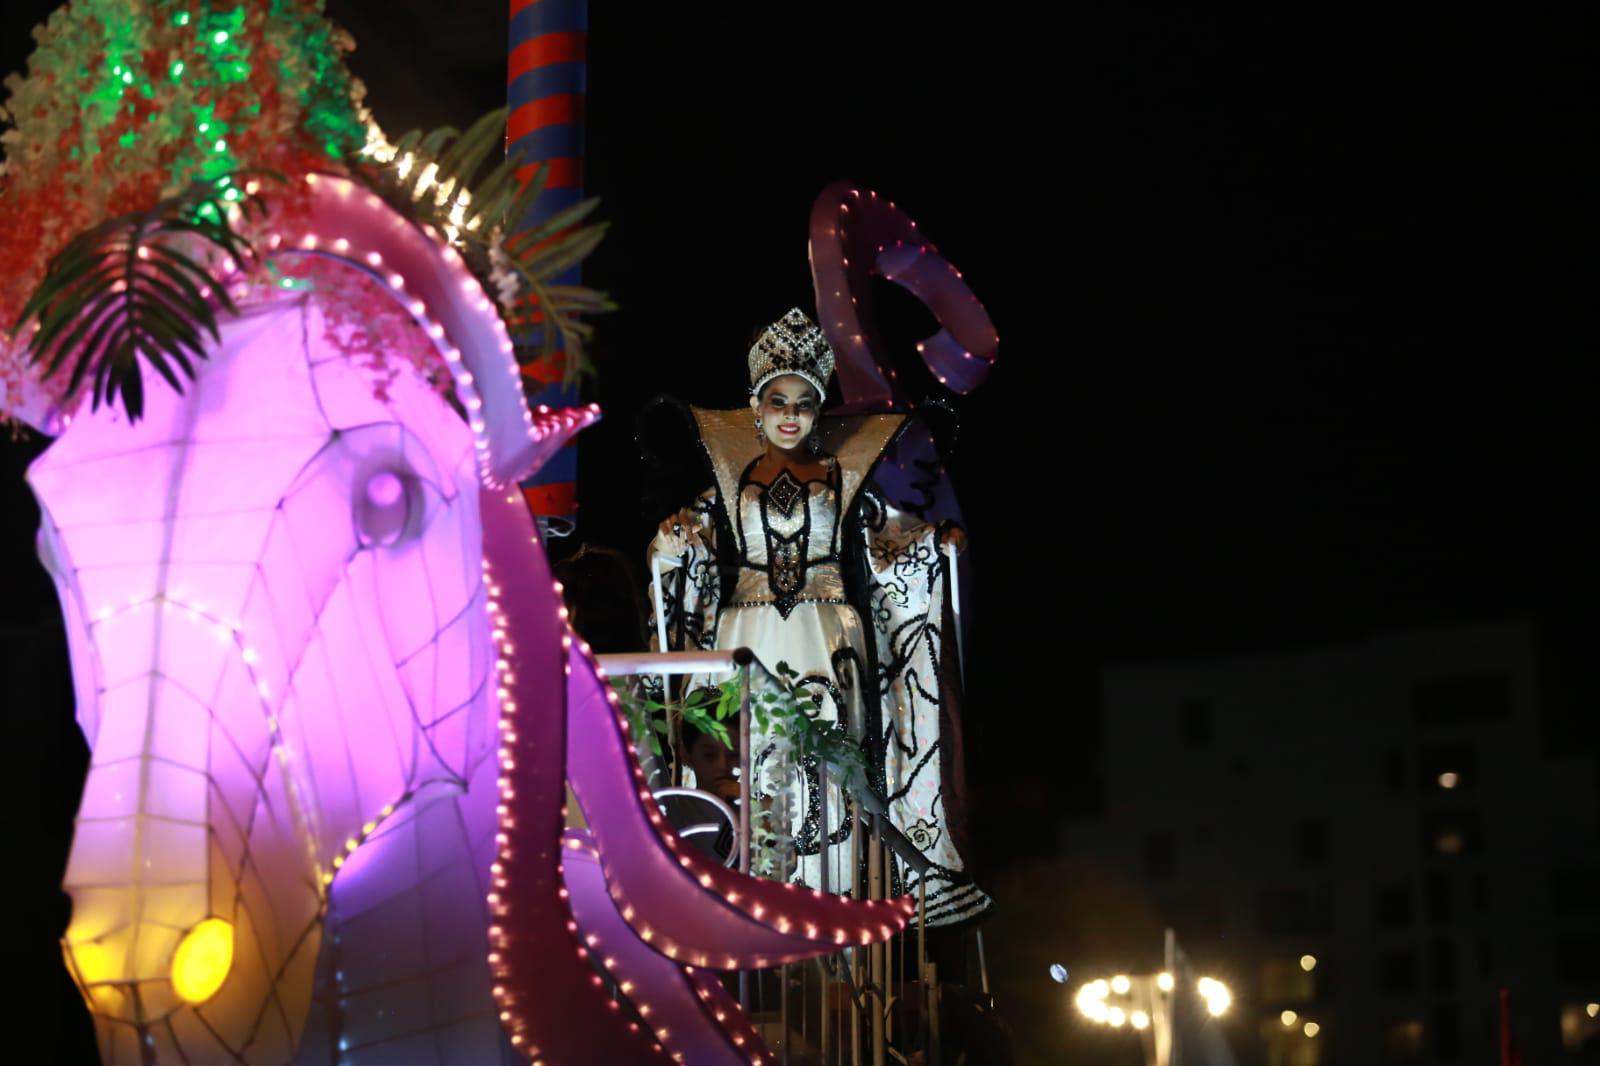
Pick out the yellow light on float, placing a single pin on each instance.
(95, 967)
(1120, 985)
(1164, 982)
(202, 961)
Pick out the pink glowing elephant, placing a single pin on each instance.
(333, 705)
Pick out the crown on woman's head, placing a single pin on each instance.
(791, 345)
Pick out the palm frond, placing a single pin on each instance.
(476, 203)
(131, 289)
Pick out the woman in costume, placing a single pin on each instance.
(795, 553)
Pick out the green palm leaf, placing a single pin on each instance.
(130, 289)
(497, 203)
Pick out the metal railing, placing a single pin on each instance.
(858, 1019)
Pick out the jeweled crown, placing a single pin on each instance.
(791, 345)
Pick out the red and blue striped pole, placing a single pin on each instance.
(545, 87)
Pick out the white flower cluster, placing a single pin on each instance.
(771, 843)
(507, 284)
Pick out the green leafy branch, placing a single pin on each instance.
(707, 709)
(132, 289)
(784, 713)
(788, 713)
(431, 177)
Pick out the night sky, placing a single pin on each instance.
(1295, 310)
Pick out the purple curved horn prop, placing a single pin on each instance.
(856, 234)
(548, 994)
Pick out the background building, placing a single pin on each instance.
(1390, 808)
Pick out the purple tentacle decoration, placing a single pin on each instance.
(686, 908)
(549, 995)
(689, 1010)
(857, 234)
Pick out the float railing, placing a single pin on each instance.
(865, 976)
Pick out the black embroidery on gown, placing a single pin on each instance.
(785, 515)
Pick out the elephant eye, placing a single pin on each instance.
(387, 507)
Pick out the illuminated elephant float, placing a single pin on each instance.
(333, 704)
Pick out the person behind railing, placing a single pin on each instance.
(788, 553)
(715, 766)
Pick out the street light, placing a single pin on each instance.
(1148, 1003)
(1095, 1003)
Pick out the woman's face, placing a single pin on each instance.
(787, 409)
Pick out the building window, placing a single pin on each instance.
(1467, 698)
(1449, 767)
(1394, 769)
(1580, 1024)
(1394, 906)
(1194, 724)
(1284, 982)
(1441, 898)
(1446, 1033)
(1397, 972)
(1195, 917)
(1452, 833)
(1442, 965)
(1289, 1045)
(1404, 1041)
(1290, 913)
(1574, 890)
(1312, 844)
(1579, 958)
(1160, 856)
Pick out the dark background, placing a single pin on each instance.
(1295, 314)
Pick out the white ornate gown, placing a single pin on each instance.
(782, 573)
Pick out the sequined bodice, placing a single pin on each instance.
(788, 532)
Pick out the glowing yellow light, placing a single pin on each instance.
(1120, 985)
(1101, 988)
(1115, 1016)
(1288, 1018)
(1312, 1029)
(1449, 779)
(95, 967)
(1164, 982)
(202, 961)
(1308, 963)
(1139, 1019)
(1592, 1009)
(1219, 1003)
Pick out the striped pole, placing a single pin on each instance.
(545, 87)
